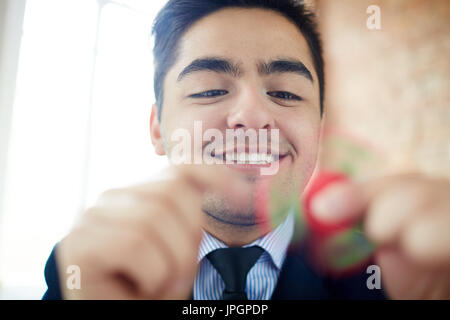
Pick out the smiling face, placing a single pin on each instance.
(249, 69)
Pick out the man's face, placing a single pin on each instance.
(251, 72)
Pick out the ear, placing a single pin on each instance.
(155, 132)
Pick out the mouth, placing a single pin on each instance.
(248, 161)
(248, 158)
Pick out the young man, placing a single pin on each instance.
(250, 65)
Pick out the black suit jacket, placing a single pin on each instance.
(297, 281)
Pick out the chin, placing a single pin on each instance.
(223, 210)
(233, 220)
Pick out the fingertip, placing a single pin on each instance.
(427, 241)
(334, 203)
(379, 225)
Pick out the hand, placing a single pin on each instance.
(141, 242)
(408, 219)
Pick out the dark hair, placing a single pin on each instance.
(178, 15)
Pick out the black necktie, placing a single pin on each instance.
(233, 264)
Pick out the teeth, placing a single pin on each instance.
(252, 158)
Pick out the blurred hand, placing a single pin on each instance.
(408, 219)
(141, 242)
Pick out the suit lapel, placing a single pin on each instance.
(297, 281)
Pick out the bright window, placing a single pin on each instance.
(80, 124)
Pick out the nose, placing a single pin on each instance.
(250, 111)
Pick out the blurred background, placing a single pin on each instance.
(76, 92)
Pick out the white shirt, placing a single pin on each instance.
(262, 277)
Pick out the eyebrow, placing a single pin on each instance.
(284, 66)
(221, 65)
(213, 64)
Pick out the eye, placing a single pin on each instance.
(284, 95)
(209, 94)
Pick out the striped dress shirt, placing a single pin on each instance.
(262, 277)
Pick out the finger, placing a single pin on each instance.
(178, 198)
(163, 226)
(181, 200)
(114, 262)
(393, 208)
(171, 231)
(344, 201)
(207, 177)
(427, 239)
(332, 202)
(398, 200)
(129, 255)
(397, 272)
(337, 202)
(203, 178)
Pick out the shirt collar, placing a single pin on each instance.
(275, 243)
